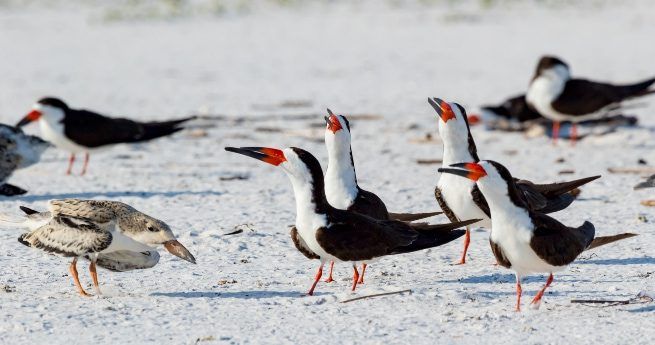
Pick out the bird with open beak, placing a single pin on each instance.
(330, 234)
(341, 187)
(461, 198)
(522, 239)
(110, 234)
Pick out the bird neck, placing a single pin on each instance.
(459, 150)
(340, 178)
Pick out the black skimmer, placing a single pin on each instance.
(17, 150)
(341, 187)
(514, 109)
(80, 130)
(523, 239)
(110, 234)
(558, 97)
(331, 234)
(461, 198)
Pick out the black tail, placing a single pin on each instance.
(637, 89)
(28, 211)
(427, 240)
(7, 189)
(410, 217)
(587, 231)
(152, 130)
(441, 228)
(603, 240)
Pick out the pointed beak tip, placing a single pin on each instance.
(176, 248)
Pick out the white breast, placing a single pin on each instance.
(54, 133)
(541, 94)
(456, 191)
(122, 242)
(512, 231)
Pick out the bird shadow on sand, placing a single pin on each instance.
(650, 308)
(117, 194)
(623, 261)
(234, 294)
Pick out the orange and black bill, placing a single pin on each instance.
(443, 109)
(472, 171)
(32, 116)
(332, 121)
(264, 154)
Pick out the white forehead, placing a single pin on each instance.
(492, 173)
(295, 166)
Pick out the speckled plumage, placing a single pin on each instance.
(17, 150)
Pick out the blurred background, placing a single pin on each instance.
(158, 58)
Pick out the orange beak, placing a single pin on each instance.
(333, 123)
(32, 116)
(472, 171)
(443, 109)
(264, 154)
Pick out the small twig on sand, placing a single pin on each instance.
(234, 232)
(610, 303)
(377, 295)
(636, 170)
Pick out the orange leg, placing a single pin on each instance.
(319, 273)
(355, 277)
(540, 294)
(71, 160)
(519, 291)
(94, 276)
(86, 163)
(76, 278)
(361, 277)
(574, 133)
(329, 278)
(555, 131)
(467, 241)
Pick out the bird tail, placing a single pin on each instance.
(410, 217)
(427, 240)
(441, 228)
(637, 89)
(7, 189)
(603, 240)
(154, 130)
(31, 220)
(434, 235)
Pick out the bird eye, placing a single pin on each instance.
(150, 228)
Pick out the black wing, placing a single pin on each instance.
(93, 130)
(551, 197)
(370, 205)
(581, 96)
(479, 200)
(556, 243)
(358, 238)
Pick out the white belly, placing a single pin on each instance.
(56, 137)
(456, 191)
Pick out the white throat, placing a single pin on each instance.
(455, 144)
(546, 88)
